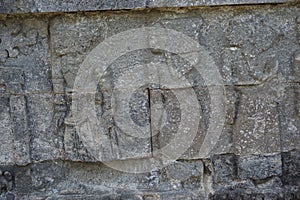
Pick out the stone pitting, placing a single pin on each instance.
(255, 48)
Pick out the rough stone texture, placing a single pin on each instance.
(265, 166)
(225, 168)
(256, 49)
(35, 6)
(182, 179)
(290, 167)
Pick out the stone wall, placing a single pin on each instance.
(148, 98)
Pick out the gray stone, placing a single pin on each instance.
(7, 137)
(298, 28)
(34, 6)
(290, 167)
(182, 171)
(289, 118)
(26, 43)
(181, 3)
(224, 168)
(145, 97)
(188, 25)
(296, 66)
(20, 130)
(40, 123)
(73, 147)
(126, 124)
(257, 126)
(250, 58)
(259, 167)
(14, 104)
(6, 181)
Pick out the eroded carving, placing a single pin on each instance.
(250, 59)
(6, 181)
(16, 41)
(13, 117)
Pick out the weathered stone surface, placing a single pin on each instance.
(289, 118)
(189, 179)
(41, 126)
(259, 167)
(260, 49)
(290, 167)
(6, 181)
(145, 97)
(171, 114)
(26, 44)
(7, 138)
(181, 3)
(254, 195)
(14, 117)
(257, 127)
(34, 6)
(296, 65)
(187, 170)
(224, 168)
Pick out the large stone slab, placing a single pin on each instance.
(250, 63)
(34, 6)
(257, 125)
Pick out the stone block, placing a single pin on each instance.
(150, 101)
(224, 168)
(185, 170)
(130, 135)
(257, 127)
(25, 42)
(289, 118)
(20, 130)
(6, 181)
(259, 166)
(37, 6)
(291, 167)
(13, 79)
(175, 110)
(41, 126)
(7, 137)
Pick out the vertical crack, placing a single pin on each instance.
(150, 116)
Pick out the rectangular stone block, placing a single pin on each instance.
(224, 168)
(33, 6)
(257, 128)
(73, 148)
(68, 52)
(24, 45)
(289, 118)
(41, 125)
(259, 166)
(12, 79)
(225, 143)
(6, 133)
(185, 170)
(291, 167)
(20, 130)
(180, 120)
(117, 128)
(127, 126)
